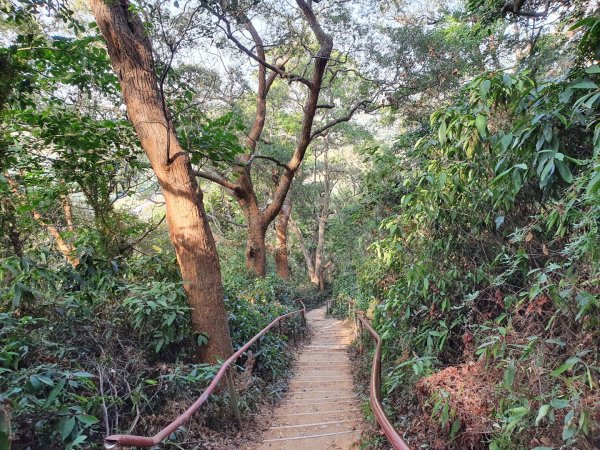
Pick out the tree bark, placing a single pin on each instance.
(63, 246)
(8, 218)
(282, 266)
(130, 52)
(256, 248)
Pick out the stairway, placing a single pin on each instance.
(321, 410)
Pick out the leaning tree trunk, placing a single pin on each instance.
(131, 56)
(68, 210)
(282, 266)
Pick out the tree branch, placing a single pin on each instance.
(345, 118)
(321, 60)
(219, 179)
(268, 158)
(262, 61)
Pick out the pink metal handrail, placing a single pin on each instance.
(145, 441)
(375, 390)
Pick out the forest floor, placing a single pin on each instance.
(321, 410)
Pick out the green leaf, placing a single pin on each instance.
(66, 427)
(509, 373)
(546, 174)
(79, 440)
(593, 185)
(585, 85)
(548, 133)
(569, 432)
(35, 383)
(54, 393)
(455, 427)
(442, 133)
(202, 339)
(543, 412)
(593, 69)
(564, 171)
(568, 364)
(481, 125)
(485, 88)
(87, 419)
(505, 141)
(46, 380)
(559, 403)
(590, 101)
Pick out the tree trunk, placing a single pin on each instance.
(323, 219)
(310, 267)
(8, 218)
(131, 56)
(67, 250)
(68, 210)
(243, 189)
(256, 247)
(282, 266)
(63, 246)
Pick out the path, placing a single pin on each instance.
(321, 410)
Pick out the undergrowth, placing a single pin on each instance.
(110, 352)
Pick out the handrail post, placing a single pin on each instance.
(233, 398)
(360, 337)
(303, 320)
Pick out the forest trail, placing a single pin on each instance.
(321, 410)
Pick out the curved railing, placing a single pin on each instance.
(375, 382)
(146, 441)
(375, 388)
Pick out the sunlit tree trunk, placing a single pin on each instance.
(282, 266)
(64, 247)
(131, 56)
(68, 210)
(323, 217)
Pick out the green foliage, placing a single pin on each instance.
(491, 237)
(160, 313)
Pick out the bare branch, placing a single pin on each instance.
(262, 61)
(339, 120)
(268, 158)
(514, 6)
